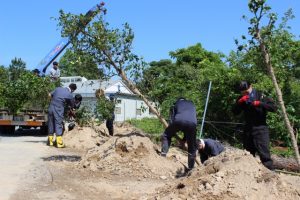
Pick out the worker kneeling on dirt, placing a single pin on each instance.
(59, 98)
(209, 148)
(183, 119)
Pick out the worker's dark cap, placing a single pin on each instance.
(55, 63)
(244, 85)
(73, 86)
(78, 97)
(36, 71)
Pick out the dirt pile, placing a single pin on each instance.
(132, 154)
(85, 138)
(234, 174)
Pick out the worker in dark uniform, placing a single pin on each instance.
(71, 112)
(208, 148)
(59, 98)
(110, 119)
(255, 106)
(184, 119)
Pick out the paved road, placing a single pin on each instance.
(17, 155)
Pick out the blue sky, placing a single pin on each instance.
(160, 26)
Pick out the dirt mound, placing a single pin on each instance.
(234, 174)
(132, 154)
(84, 138)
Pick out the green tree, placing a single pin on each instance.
(3, 80)
(111, 48)
(79, 63)
(188, 76)
(28, 91)
(3, 74)
(105, 108)
(16, 68)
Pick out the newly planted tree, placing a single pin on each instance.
(111, 48)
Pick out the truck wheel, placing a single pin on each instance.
(44, 130)
(9, 130)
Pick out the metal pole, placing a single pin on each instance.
(203, 118)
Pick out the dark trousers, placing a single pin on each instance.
(55, 120)
(110, 126)
(189, 130)
(256, 140)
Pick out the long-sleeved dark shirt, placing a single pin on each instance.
(61, 97)
(211, 148)
(255, 115)
(184, 111)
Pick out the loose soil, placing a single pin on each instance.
(128, 166)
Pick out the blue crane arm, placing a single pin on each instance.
(56, 51)
(50, 57)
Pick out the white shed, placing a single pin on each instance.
(128, 105)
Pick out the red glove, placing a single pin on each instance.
(243, 99)
(256, 103)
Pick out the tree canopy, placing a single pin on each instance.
(79, 63)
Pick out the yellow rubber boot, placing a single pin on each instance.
(59, 142)
(50, 140)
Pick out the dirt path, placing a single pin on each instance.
(42, 172)
(17, 157)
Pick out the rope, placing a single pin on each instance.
(217, 130)
(221, 122)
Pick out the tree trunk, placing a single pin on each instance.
(279, 95)
(282, 163)
(136, 91)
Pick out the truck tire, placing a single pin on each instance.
(44, 130)
(9, 130)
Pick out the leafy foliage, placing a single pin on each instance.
(191, 68)
(28, 91)
(16, 69)
(165, 81)
(105, 108)
(111, 48)
(79, 63)
(84, 116)
(3, 81)
(22, 89)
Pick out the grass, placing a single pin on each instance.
(151, 126)
(285, 152)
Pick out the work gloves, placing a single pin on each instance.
(256, 103)
(245, 100)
